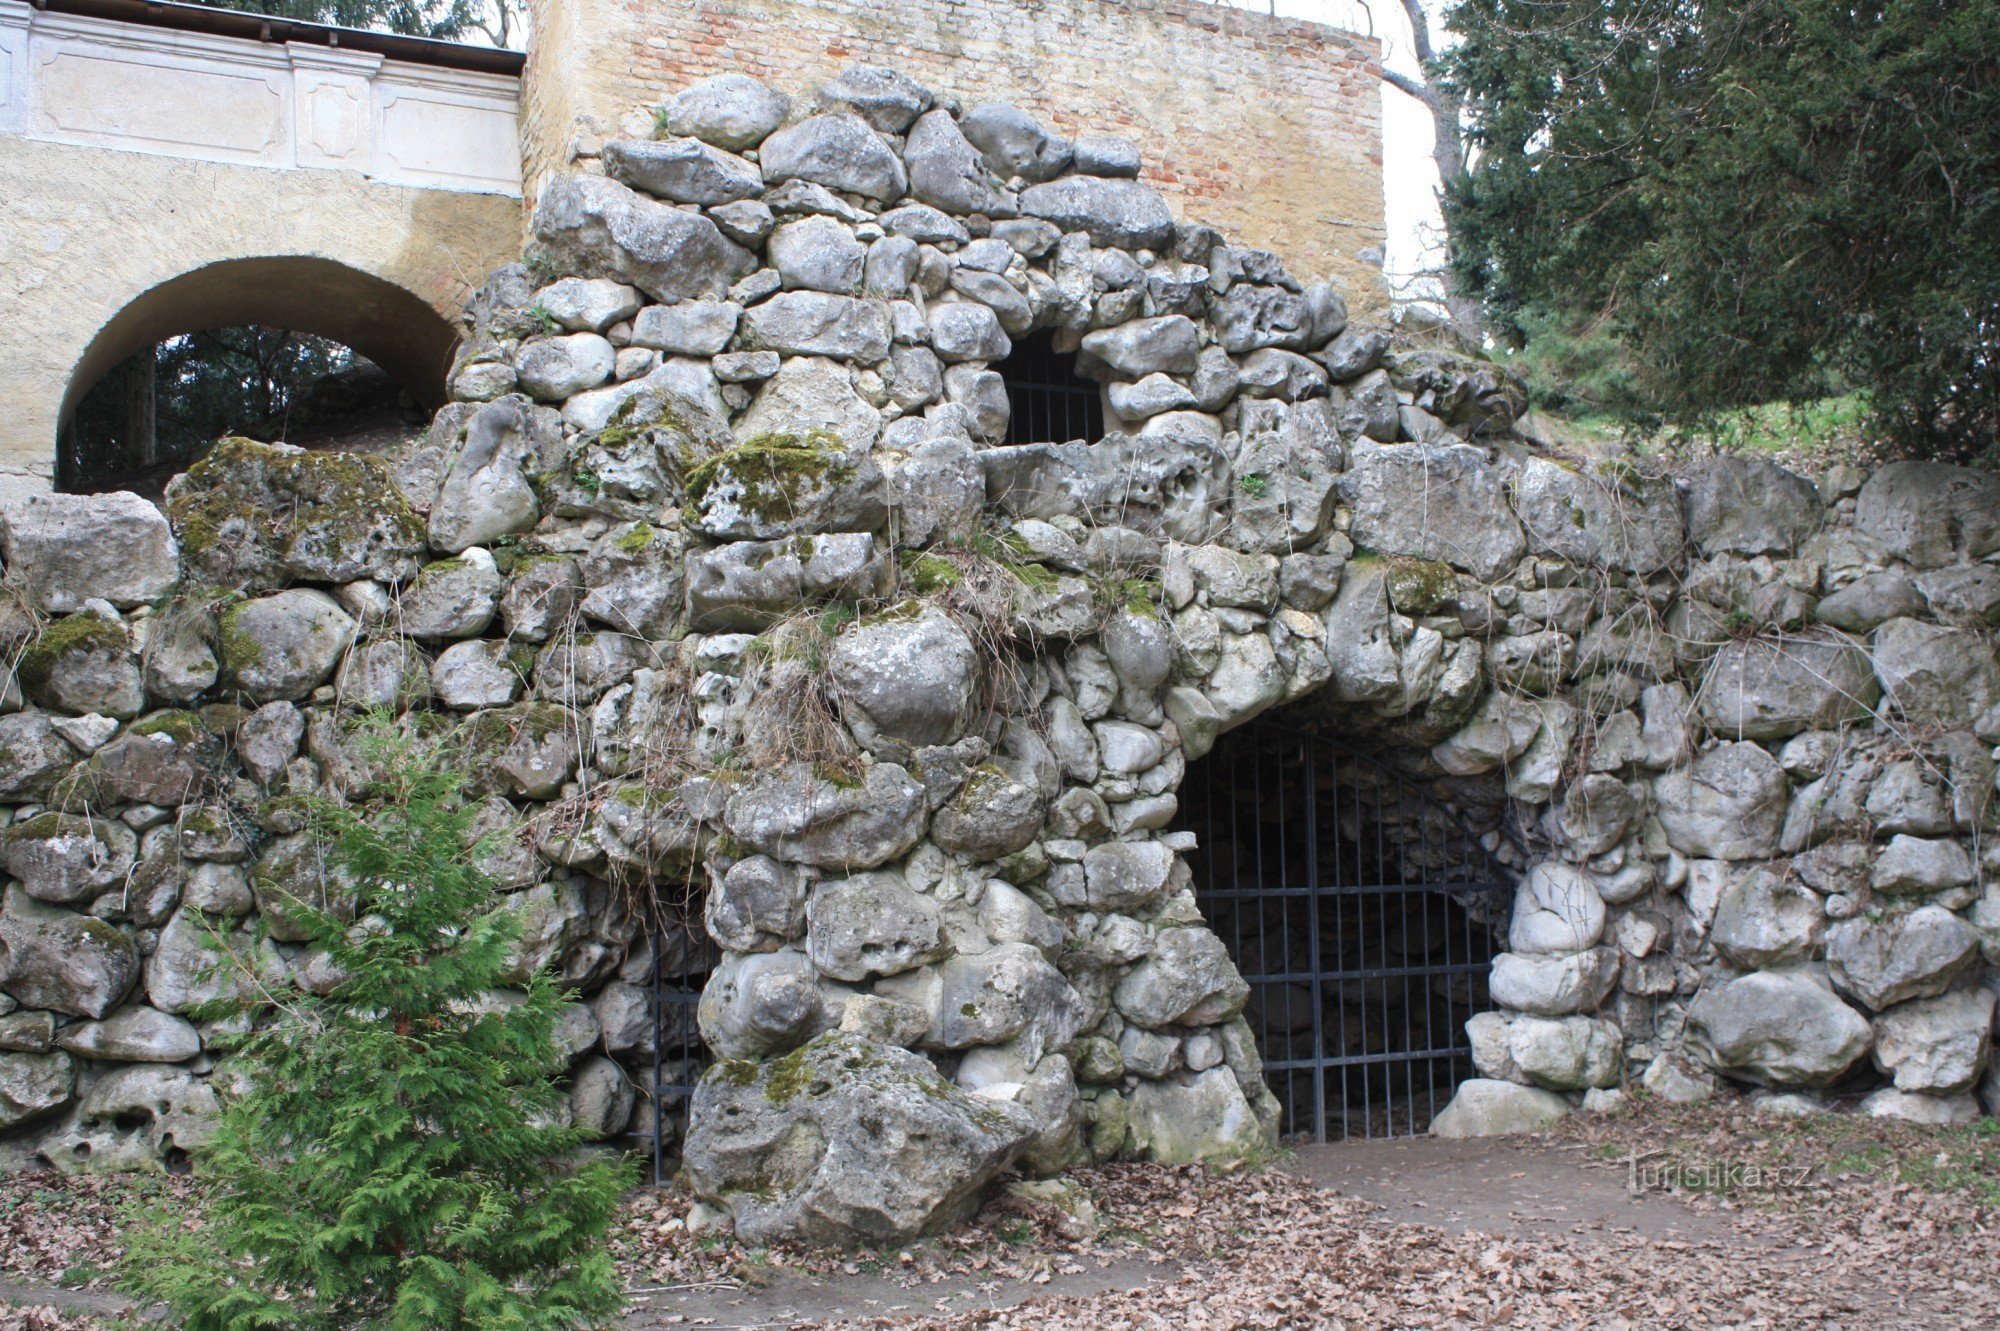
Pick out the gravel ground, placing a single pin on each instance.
(1833, 1222)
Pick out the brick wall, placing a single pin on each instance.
(1268, 128)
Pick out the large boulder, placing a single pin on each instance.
(870, 925)
(819, 323)
(731, 111)
(1772, 688)
(65, 549)
(947, 172)
(845, 1142)
(1891, 960)
(746, 586)
(33, 1086)
(761, 1003)
(1934, 675)
(1443, 502)
(257, 516)
(486, 494)
(1556, 911)
(1782, 1028)
(685, 170)
(84, 663)
(1936, 1045)
(595, 227)
(838, 151)
(1189, 980)
(60, 960)
(992, 816)
(1202, 1117)
(904, 679)
(1627, 522)
(1554, 986)
(68, 858)
(133, 1034)
(812, 403)
(1120, 213)
(1931, 513)
(1766, 918)
(1745, 506)
(1728, 804)
(1482, 1107)
(283, 646)
(796, 814)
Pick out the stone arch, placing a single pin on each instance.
(382, 321)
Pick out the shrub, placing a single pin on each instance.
(396, 1159)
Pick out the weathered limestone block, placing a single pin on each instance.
(1728, 804)
(903, 679)
(846, 1142)
(594, 226)
(1112, 212)
(1900, 957)
(840, 152)
(1936, 675)
(684, 170)
(1930, 513)
(68, 858)
(731, 111)
(1189, 980)
(1554, 986)
(1746, 506)
(1773, 688)
(63, 961)
(257, 516)
(33, 1086)
(1764, 918)
(795, 815)
(747, 586)
(84, 663)
(757, 905)
(1629, 522)
(991, 817)
(1485, 1108)
(1936, 1045)
(761, 1003)
(283, 646)
(870, 925)
(65, 549)
(1556, 912)
(1205, 1117)
(133, 1034)
(1445, 502)
(1782, 1028)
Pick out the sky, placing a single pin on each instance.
(1409, 177)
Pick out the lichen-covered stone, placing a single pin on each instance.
(255, 516)
(846, 1142)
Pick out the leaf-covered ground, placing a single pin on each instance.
(1829, 1222)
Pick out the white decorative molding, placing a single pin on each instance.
(103, 84)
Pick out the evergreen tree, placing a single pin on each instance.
(1759, 200)
(395, 1162)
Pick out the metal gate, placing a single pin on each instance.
(1363, 914)
(683, 958)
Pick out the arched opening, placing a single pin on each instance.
(303, 339)
(1363, 912)
(1047, 400)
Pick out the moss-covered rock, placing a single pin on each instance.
(84, 663)
(846, 1142)
(256, 516)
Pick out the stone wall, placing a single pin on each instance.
(1267, 127)
(721, 578)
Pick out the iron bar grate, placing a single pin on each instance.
(1362, 913)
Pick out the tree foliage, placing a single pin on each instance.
(1759, 200)
(444, 20)
(397, 1162)
(203, 385)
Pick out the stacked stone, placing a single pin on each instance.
(1737, 729)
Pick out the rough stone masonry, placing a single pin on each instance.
(741, 611)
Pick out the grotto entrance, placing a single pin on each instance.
(1363, 914)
